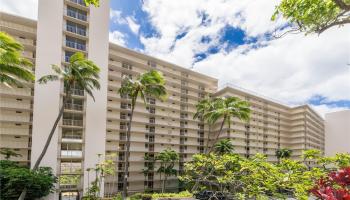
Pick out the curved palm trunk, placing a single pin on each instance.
(126, 166)
(217, 137)
(48, 141)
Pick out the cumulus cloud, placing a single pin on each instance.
(117, 38)
(27, 8)
(292, 69)
(134, 27)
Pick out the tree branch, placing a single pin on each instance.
(342, 4)
(337, 23)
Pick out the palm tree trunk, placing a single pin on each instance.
(48, 141)
(217, 136)
(164, 182)
(126, 166)
(208, 137)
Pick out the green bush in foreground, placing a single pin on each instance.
(155, 196)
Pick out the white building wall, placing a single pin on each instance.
(96, 111)
(47, 97)
(337, 132)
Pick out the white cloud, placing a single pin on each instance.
(134, 27)
(117, 38)
(24, 8)
(116, 17)
(291, 69)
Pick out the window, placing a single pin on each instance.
(75, 43)
(76, 13)
(76, 28)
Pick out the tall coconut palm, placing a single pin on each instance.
(227, 108)
(152, 84)
(283, 153)
(204, 107)
(223, 146)
(80, 72)
(14, 69)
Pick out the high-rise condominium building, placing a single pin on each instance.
(90, 128)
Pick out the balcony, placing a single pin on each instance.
(76, 15)
(80, 2)
(70, 106)
(71, 153)
(77, 92)
(76, 30)
(76, 45)
(72, 122)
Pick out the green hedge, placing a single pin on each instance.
(155, 196)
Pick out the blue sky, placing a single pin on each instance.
(232, 41)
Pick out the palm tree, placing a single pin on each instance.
(14, 68)
(167, 159)
(152, 84)
(80, 72)
(223, 146)
(226, 108)
(283, 153)
(8, 153)
(204, 107)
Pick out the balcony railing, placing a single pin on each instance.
(75, 45)
(72, 153)
(78, 92)
(80, 2)
(76, 15)
(72, 122)
(76, 30)
(71, 106)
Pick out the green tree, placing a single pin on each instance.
(283, 153)
(14, 178)
(8, 153)
(152, 84)
(79, 72)
(167, 158)
(14, 69)
(204, 107)
(223, 146)
(95, 3)
(149, 161)
(314, 16)
(226, 108)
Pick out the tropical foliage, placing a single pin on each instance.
(255, 178)
(8, 153)
(203, 108)
(14, 69)
(226, 108)
(149, 84)
(103, 168)
(283, 153)
(314, 16)
(14, 178)
(223, 146)
(167, 159)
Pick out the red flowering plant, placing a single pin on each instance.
(336, 186)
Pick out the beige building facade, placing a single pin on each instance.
(337, 131)
(89, 128)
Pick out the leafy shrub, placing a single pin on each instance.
(182, 194)
(14, 178)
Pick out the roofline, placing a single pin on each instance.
(136, 53)
(24, 19)
(252, 93)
